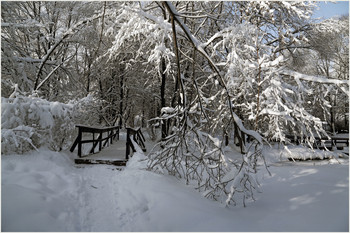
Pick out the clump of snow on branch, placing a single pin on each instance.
(150, 34)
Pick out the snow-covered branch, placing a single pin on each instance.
(197, 45)
(316, 79)
(69, 32)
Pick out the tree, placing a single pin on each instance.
(53, 49)
(39, 42)
(325, 56)
(329, 39)
(227, 61)
(190, 151)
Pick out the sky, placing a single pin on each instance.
(329, 9)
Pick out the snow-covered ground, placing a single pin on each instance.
(45, 191)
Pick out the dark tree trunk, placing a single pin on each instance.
(162, 97)
(121, 98)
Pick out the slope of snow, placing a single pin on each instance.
(39, 192)
(283, 153)
(45, 191)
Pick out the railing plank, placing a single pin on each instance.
(87, 129)
(112, 133)
(320, 142)
(137, 137)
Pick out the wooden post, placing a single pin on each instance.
(100, 142)
(111, 135)
(226, 138)
(79, 141)
(93, 138)
(127, 143)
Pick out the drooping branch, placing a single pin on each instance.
(65, 35)
(193, 40)
(48, 76)
(51, 73)
(200, 49)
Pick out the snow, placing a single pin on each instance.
(277, 153)
(167, 110)
(38, 192)
(115, 151)
(45, 191)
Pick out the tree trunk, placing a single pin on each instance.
(121, 100)
(102, 97)
(333, 108)
(162, 97)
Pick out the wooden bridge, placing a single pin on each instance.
(116, 151)
(322, 143)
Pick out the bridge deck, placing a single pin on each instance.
(114, 154)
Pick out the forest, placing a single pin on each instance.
(197, 76)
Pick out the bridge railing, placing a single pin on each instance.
(137, 137)
(335, 141)
(322, 142)
(101, 141)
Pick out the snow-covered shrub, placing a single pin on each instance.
(29, 122)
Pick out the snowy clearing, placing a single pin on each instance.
(45, 191)
(227, 91)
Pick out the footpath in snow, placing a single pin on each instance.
(46, 191)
